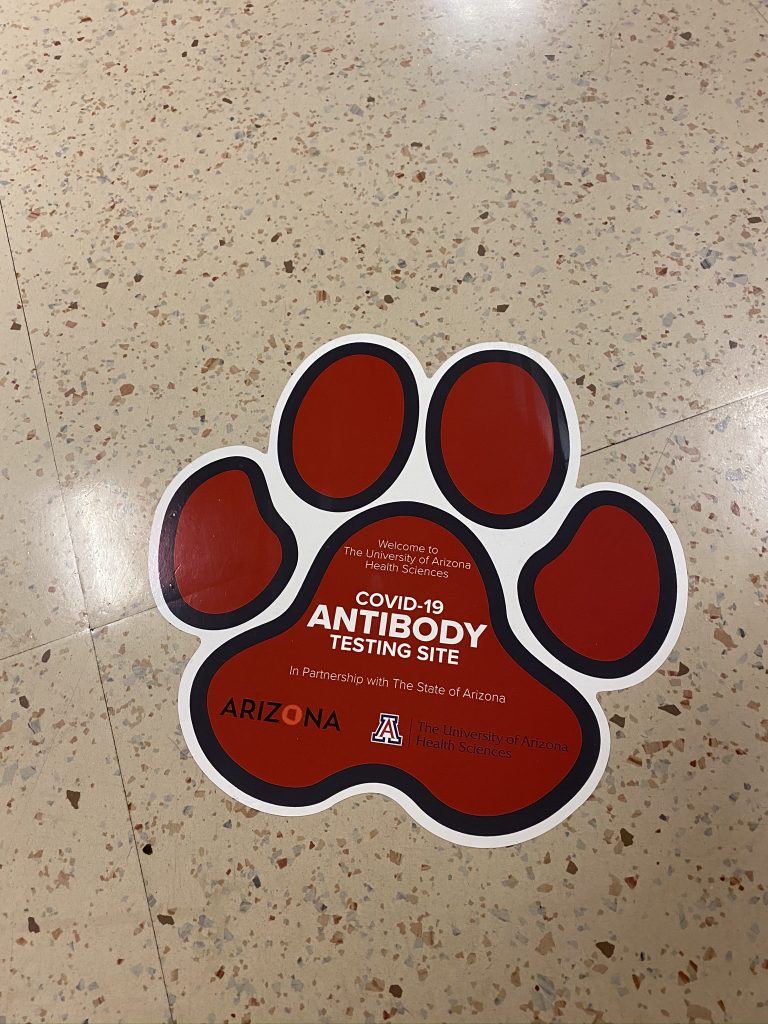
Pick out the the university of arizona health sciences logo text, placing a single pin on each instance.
(387, 730)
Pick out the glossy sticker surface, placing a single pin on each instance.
(409, 595)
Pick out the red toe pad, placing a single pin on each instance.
(224, 551)
(497, 439)
(602, 594)
(348, 426)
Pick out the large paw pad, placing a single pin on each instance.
(435, 621)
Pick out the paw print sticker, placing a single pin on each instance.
(408, 594)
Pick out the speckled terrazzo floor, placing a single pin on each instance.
(196, 196)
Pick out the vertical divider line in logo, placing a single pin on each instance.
(410, 729)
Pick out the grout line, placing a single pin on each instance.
(133, 830)
(86, 628)
(124, 618)
(676, 423)
(46, 643)
(45, 414)
(85, 612)
(758, 12)
(662, 453)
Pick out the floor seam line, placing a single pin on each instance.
(662, 453)
(47, 643)
(676, 423)
(45, 416)
(133, 830)
(124, 618)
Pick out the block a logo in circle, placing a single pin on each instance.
(387, 730)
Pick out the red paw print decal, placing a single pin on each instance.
(409, 595)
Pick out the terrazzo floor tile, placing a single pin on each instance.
(200, 195)
(41, 595)
(646, 905)
(78, 942)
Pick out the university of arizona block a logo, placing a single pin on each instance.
(387, 730)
